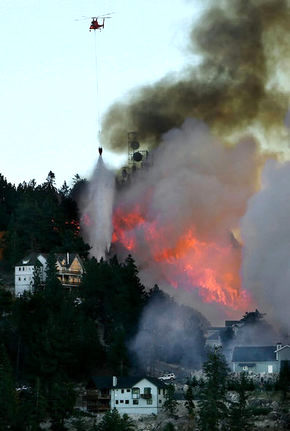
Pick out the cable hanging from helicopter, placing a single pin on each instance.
(98, 23)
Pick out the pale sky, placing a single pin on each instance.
(49, 107)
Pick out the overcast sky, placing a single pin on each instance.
(48, 75)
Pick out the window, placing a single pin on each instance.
(147, 391)
(160, 401)
(126, 401)
(159, 391)
(135, 393)
(19, 269)
(24, 278)
(122, 391)
(135, 402)
(128, 390)
(19, 278)
(117, 402)
(270, 369)
(149, 401)
(122, 401)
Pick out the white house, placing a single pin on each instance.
(69, 268)
(130, 395)
(24, 270)
(263, 360)
(138, 395)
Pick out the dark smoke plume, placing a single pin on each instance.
(242, 43)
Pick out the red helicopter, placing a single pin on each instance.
(96, 25)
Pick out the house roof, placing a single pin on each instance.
(254, 354)
(106, 382)
(30, 260)
(62, 259)
(281, 348)
(230, 323)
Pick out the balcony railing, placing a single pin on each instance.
(68, 271)
(95, 396)
(146, 396)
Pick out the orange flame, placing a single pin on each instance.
(188, 262)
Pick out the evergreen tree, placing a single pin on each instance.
(112, 421)
(36, 278)
(189, 403)
(240, 413)
(61, 400)
(170, 405)
(213, 407)
(118, 354)
(283, 383)
(7, 392)
(31, 411)
(169, 427)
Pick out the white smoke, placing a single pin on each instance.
(97, 211)
(265, 232)
(170, 333)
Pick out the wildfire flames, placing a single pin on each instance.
(189, 263)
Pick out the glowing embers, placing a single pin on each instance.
(185, 262)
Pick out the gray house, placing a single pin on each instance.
(260, 359)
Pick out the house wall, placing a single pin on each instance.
(258, 368)
(143, 407)
(23, 279)
(76, 266)
(284, 354)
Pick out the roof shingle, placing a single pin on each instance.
(254, 353)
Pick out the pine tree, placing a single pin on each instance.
(118, 354)
(213, 407)
(7, 392)
(170, 405)
(61, 400)
(112, 421)
(36, 279)
(240, 413)
(283, 383)
(169, 427)
(189, 403)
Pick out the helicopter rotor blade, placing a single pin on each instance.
(106, 15)
(83, 18)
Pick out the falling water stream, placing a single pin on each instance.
(99, 210)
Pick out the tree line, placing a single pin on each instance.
(39, 218)
(53, 339)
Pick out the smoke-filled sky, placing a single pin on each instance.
(206, 84)
(212, 127)
(241, 82)
(49, 100)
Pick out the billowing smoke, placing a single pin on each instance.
(244, 47)
(169, 333)
(97, 210)
(178, 217)
(266, 236)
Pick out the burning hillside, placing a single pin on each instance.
(208, 129)
(177, 216)
(189, 263)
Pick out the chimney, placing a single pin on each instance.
(67, 258)
(114, 381)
